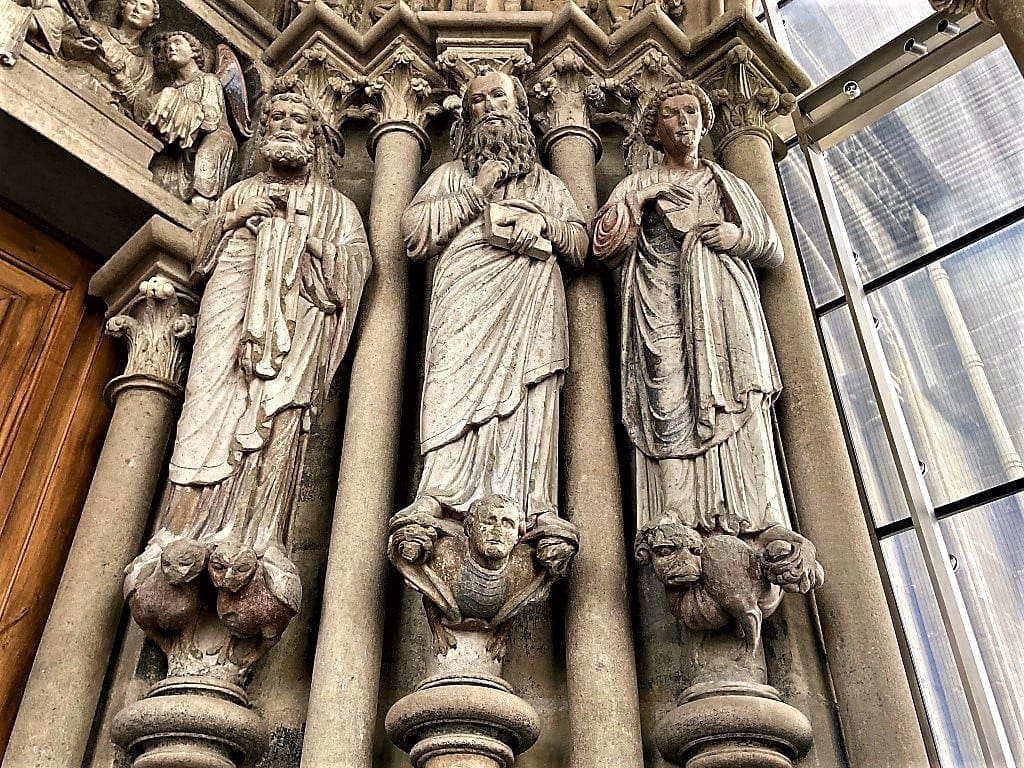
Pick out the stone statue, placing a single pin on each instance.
(190, 115)
(497, 344)
(39, 22)
(699, 374)
(112, 61)
(287, 258)
(479, 574)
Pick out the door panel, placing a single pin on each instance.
(54, 363)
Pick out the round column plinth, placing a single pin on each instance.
(734, 731)
(191, 723)
(475, 725)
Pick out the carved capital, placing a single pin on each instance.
(567, 89)
(332, 83)
(403, 96)
(153, 328)
(463, 63)
(633, 87)
(979, 7)
(745, 99)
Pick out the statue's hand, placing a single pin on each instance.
(254, 208)
(793, 564)
(666, 190)
(555, 555)
(527, 228)
(491, 173)
(719, 235)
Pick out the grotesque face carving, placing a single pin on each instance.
(673, 550)
(679, 125)
(232, 566)
(182, 560)
(494, 526)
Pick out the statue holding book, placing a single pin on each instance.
(497, 344)
(698, 370)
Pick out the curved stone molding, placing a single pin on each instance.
(154, 329)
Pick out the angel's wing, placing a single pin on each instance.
(229, 72)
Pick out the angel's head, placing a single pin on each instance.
(177, 51)
(138, 14)
(290, 126)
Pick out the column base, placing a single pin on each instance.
(734, 731)
(465, 722)
(191, 723)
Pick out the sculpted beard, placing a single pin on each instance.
(287, 149)
(504, 136)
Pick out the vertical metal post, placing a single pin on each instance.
(966, 653)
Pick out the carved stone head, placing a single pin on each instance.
(290, 126)
(673, 550)
(232, 565)
(139, 14)
(495, 124)
(677, 117)
(494, 525)
(182, 560)
(176, 51)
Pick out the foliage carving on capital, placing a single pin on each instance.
(154, 329)
(979, 7)
(567, 90)
(633, 88)
(402, 91)
(462, 64)
(745, 101)
(334, 89)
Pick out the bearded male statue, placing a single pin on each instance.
(497, 342)
(287, 258)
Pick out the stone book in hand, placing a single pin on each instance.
(501, 234)
(682, 219)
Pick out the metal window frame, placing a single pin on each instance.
(822, 120)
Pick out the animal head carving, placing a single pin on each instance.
(673, 550)
(232, 565)
(182, 560)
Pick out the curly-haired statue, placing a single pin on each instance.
(190, 116)
(287, 258)
(698, 370)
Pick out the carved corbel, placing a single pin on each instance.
(567, 88)
(402, 92)
(153, 327)
(633, 87)
(745, 100)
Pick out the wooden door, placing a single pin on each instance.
(54, 363)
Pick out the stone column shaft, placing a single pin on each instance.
(604, 711)
(1008, 17)
(346, 674)
(56, 714)
(867, 669)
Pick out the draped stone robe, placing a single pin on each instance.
(497, 342)
(698, 368)
(240, 440)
